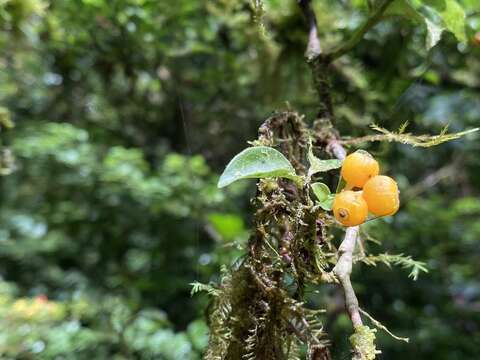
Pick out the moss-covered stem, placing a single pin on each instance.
(343, 268)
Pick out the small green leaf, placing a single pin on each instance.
(317, 165)
(320, 190)
(325, 198)
(258, 162)
(327, 204)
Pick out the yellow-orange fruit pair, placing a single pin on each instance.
(358, 168)
(382, 196)
(350, 208)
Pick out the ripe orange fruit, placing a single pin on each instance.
(358, 167)
(382, 196)
(350, 208)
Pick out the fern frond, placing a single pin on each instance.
(409, 138)
(404, 261)
(251, 343)
(403, 127)
(258, 15)
(198, 287)
(292, 348)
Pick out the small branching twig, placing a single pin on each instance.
(379, 325)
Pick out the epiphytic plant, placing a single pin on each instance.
(258, 309)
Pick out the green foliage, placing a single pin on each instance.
(322, 192)
(229, 226)
(108, 205)
(317, 165)
(435, 15)
(50, 329)
(410, 139)
(257, 162)
(405, 262)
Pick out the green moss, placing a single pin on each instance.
(363, 343)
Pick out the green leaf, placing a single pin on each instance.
(317, 165)
(228, 226)
(325, 198)
(327, 204)
(257, 162)
(405, 9)
(435, 15)
(453, 16)
(320, 190)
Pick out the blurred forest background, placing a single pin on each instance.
(126, 112)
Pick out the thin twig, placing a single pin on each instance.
(358, 35)
(379, 325)
(343, 269)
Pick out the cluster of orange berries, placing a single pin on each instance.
(377, 194)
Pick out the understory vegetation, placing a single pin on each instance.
(117, 119)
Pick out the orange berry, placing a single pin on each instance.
(382, 196)
(358, 167)
(350, 208)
